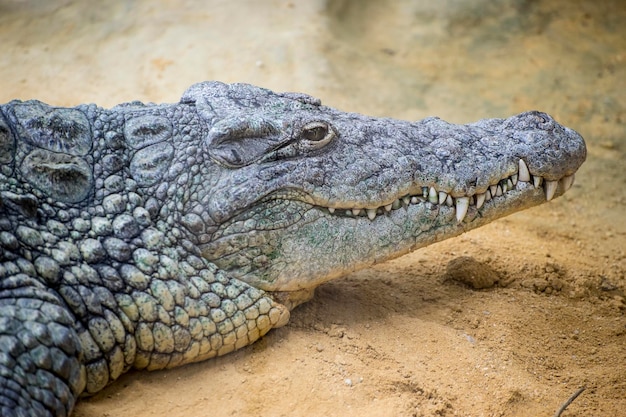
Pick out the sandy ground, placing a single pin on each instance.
(403, 338)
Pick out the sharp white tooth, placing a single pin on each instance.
(449, 201)
(355, 211)
(493, 189)
(425, 192)
(462, 204)
(331, 210)
(388, 207)
(550, 188)
(349, 212)
(504, 186)
(406, 200)
(514, 180)
(414, 200)
(509, 184)
(396, 204)
(442, 197)
(566, 182)
(523, 173)
(498, 191)
(488, 195)
(480, 200)
(371, 213)
(432, 195)
(537, 180)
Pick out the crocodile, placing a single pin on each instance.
(148, 236)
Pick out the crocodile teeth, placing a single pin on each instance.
(462, 204)
(480, 200)
(432, 195)
(550, 188)
(523, 174)
(566, 182)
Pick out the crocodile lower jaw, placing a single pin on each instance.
(461, 203)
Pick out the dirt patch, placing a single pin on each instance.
(469, 271)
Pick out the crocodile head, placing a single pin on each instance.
(298, 193)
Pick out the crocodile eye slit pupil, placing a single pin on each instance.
(235, 155)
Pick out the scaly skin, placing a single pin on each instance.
(150, 236)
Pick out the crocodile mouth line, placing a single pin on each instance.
(461, 204)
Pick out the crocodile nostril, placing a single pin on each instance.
(540, 120)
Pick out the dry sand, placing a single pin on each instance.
(402, 338)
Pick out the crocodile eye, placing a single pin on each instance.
(315, 135)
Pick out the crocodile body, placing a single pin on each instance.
(149, 236)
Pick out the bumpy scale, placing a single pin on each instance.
(150, 236)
